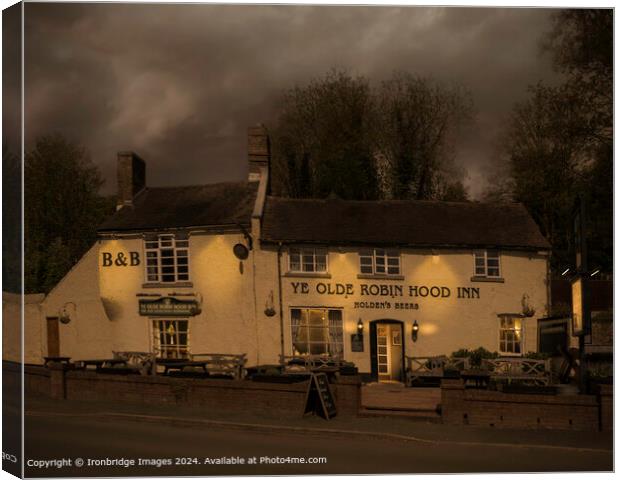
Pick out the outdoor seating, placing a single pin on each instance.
(312, 363)
(206, 365)
(430, 370)
(523, 370)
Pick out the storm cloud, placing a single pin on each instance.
(180, 84)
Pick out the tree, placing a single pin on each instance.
(559, 141)
(581, 46)
(545, 146)
(417, 118)
(337, 135)
(62, 210)
(323, 140)
(11, 221)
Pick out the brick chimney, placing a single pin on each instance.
(259, 152)
(131, 177)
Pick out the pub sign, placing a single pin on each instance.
(168, 307)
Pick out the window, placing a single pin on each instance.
(171, 338)
(380, 262)
(307, 260)
(510, 335)
(486, 263)
(317, 331)
(167, 258)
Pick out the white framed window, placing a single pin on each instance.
(171, 338)
(486, 263)
(307, 260)
(317, 331)
(510, 335)
(380, 261)
(167, 257)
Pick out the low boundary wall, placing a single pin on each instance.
(508, 410)
(274, 399)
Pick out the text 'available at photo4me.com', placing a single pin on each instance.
(126, 462)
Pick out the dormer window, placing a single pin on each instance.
(167, 258)
(307, 260)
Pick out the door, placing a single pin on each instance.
(386, 352)
(53, 337)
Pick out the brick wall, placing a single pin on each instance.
(282, 400)
(497, 409)
(606, 398)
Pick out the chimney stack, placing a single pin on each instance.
(131, 177)
(259, 152)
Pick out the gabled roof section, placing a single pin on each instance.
(403, 223)
(227, 204)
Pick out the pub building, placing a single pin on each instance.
(227, 268)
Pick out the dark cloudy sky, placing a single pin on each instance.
(179, 84)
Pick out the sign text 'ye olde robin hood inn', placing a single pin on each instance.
(228, 268)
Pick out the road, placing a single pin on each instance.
(56, 437)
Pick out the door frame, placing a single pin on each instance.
(374, 371)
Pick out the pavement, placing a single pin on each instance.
(385, 428)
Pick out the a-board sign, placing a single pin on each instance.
(319, 398)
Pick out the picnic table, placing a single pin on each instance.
(180, 365)
(62, 360)
(107, 365)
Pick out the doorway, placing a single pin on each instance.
(53, 337)
(387, 352)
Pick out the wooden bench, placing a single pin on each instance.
(523, 370)
(143, 362)
(431, 369)
(311, 363)
(227, 364)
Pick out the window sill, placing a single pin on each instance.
(167, 285)
(368, 276)
(487, 279)
(307, 275)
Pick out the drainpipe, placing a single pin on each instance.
(280, 298)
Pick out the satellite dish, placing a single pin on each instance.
(241, 251)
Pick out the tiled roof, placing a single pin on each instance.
(219, 204)
(415, 223)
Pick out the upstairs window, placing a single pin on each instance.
(167, 258)
(380, 261)
(307, 260)
(486, 263)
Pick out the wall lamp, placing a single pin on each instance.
(360, 328)
(414, 331)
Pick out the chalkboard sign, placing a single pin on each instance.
(319, 398)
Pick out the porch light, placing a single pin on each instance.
(414, 331)
(360, 328)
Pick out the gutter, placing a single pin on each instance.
(279, 256)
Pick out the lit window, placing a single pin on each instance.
(380, 261)
(307, 260)
(171, 338)
(510, 335)
(317, 331)
(167, 258)
(486, 263)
